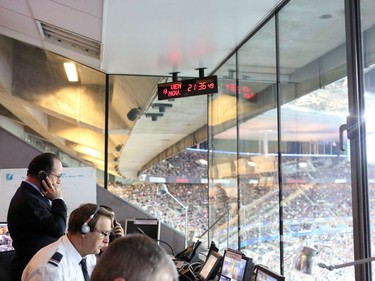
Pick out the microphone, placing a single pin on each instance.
(356, 262)
(157, 240)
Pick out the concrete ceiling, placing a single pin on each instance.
(147, 38)
(139, 37)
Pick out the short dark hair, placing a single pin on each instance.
(42, 162)
(134, 257)
(80, 215)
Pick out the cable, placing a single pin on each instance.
(170, 247)
(157, 240)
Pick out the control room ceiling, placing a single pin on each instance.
(145, 41)
(147, 38)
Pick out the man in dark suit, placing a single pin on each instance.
(37, 213)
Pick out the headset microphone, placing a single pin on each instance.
(85, 228)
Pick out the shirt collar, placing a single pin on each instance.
(34, 186)
(71, 250)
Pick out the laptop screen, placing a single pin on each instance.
(236, 267)
(210, 267)
(263, 273)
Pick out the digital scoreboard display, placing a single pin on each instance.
(187, 88)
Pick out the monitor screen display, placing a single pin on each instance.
(236, 267)
(263, 273)
(211, 267)
(5, 239)
(149, 227)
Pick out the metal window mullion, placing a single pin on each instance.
(357, 136)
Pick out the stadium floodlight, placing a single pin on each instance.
(162, 189)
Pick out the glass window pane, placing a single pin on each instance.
(222, 156)
(316, 173)
(60, 116)
(258, 138)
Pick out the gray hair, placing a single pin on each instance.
(135, 257)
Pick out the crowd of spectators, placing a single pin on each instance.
(186, 164)
(164, 208)
(318, 209)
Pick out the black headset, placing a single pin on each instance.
(85, 228)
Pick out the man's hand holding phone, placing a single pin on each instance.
(50, 189)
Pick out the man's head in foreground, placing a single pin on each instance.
(135, 257)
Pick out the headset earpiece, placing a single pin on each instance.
(85, 228)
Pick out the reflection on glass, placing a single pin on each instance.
(47, 110)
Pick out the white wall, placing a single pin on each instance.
(78, 186)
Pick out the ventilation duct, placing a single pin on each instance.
(69, 40)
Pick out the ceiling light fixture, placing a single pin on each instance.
(325, 16)
(154, 116)
(71, 71)
(161, 106)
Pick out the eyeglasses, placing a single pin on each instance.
(57, 176)
(103, 233)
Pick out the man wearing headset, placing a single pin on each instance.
(73, 256)
(37, 213)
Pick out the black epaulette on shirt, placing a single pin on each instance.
(55, 259)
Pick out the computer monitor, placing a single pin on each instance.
(191, 253)
(236, 267)
(212, 248)
(149, 227)
(5, 239)
(263, 273)
(211, 267)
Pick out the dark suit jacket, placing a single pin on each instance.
(33, 223)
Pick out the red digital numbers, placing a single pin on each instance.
(200, 86)
(188, 87)
(245, 91)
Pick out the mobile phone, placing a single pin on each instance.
(42, 175)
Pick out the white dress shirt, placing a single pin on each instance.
(42, 267)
